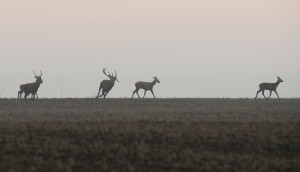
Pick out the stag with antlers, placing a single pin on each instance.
(106, 85)
(146, 86)
(269, 86)
(31, 88)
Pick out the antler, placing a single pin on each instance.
(110, 75)
(104, 71)
(36, 74)
(116, 76)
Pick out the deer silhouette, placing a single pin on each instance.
(146, 86)
(31, 88)
(269, 86)
(106, 85)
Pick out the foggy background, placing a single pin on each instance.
(196, 48)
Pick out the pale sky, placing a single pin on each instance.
(196, 48)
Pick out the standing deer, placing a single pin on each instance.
(269, 86)
(106, 85)
(146, 86)
(31, 88)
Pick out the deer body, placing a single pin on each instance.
(106, 85)
(145, 86)
(30, 88)
(269, 86)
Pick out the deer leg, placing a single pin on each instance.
(270, 94)
(263, 93)
(277, 94)
(20, 94)
(37, 97)
(98, 92)
(257, 94)
(105, 94)
(135, 91)
(152, 93)
(25, 97)
(145, 93)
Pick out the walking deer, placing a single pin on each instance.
(269, 86)
(146, 86)
(106, 85)
(31, 88)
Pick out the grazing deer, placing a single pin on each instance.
(31, 88)
(106, 85)
(146, 86)
(269, 86)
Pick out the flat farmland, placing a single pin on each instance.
(150, 135)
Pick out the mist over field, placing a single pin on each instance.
(196, 48)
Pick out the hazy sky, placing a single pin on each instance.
(197, 48)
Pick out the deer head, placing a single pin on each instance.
(279, 79)
(156, 80)
(38, 78)
(110, 76)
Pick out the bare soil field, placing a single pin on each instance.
(150, 135)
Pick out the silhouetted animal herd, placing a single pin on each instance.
(106, 86)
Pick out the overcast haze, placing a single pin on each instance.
(209, 48)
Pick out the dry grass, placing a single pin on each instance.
(150, 135)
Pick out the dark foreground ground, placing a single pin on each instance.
(150, 135)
